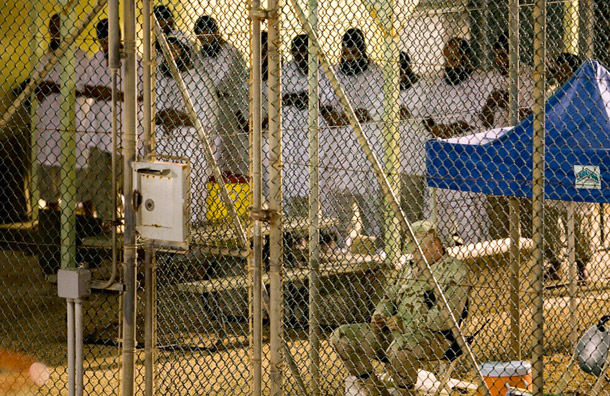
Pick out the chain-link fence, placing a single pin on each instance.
(304, 198)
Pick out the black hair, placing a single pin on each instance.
(163, 12)
(299, 43)
(206, 23)
(101, 29)
(354, 38)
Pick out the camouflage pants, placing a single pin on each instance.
(404, 354)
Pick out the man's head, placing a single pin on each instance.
(165, 17)
(207, 32)
(501, 51)
(299, 51)
(425, 232)
(101, 30)
(458, 60)
(353, 52)
(566, 65)
(54, 31)
(353, 45)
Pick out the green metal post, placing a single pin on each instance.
(36, 42)
(68, 148)
(391, 133)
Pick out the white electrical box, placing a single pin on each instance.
(163, 202)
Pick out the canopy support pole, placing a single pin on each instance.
(573, 287)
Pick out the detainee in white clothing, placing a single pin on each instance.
(295, 127)
(452, 109)
(413, 137)
(99, 88)
(348, 181)
(225, 66)
(48, 122)
(175, 134)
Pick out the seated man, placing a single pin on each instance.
(407, 328)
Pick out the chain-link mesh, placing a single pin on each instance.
(382, 124)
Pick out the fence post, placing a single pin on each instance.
(391, 134)
(32, 191)
(129, 236)
(68, 148)
(515, 232)
(275, 202)
(150, 270)
(314, 206)
(256, 257)
(536, 274)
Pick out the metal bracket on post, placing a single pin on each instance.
(262, 14)
(264, 215)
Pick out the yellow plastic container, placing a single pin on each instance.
(498, 375)
(239, 191)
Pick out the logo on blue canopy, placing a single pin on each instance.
(587, 177)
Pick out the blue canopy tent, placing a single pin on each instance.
(577, 158)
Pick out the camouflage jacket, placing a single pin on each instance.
(412, 300)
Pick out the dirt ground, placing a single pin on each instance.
(200, 356)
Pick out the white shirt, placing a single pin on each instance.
(184, 141)
(342, 155)
(227, 69)
(413, 134)
(100, 115)
(448, 103)
(295, 132)
(48, 115)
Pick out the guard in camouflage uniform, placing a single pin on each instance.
(407, 328)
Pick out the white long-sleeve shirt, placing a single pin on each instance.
(184, 141)
(342, 155)
(48, 115)
(100, 113)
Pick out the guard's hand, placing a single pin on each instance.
(378, 321)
